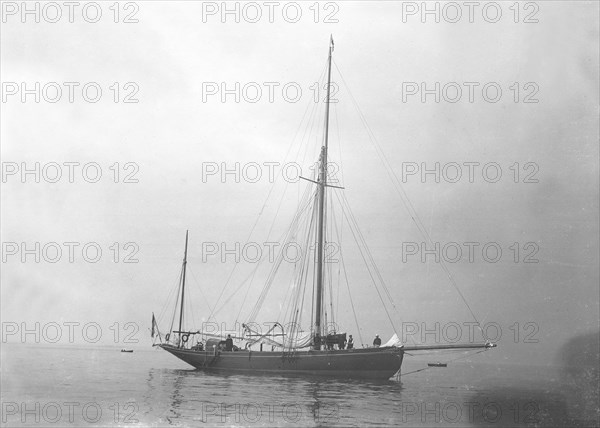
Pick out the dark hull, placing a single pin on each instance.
(371, 363)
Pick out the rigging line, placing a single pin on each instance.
(301, 285)
(306, 255)
(314, 281)
(430, 227)
(268, 236)
(248, 239)
(305, 261)
(369, 271)
(252, 274)
(268, 284)
(176, 299)
(289, 304)
(352, 304)
(306, 264)
(368, 251)
(167, 303)
(260, 261)
(339, 139)
(223, 290)
(316, 123)
(400, 188)
(297, 217)
(338, 232)
(415, 371)
(341, 171)
(414, 217)
(271, 277)
(307, 132)
(310, 125)
(288, 293)
(327, 272)
(309, 120)
(331, 295)
(349, 293)
(370, 256)
(238, 289)
(263, 207)
(325, 277)
(330, 283)
(318, 104)
(335, 265)
(190, 310)
(335, 239)
(200, 288)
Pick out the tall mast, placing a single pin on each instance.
(321, 223)
(183, 288)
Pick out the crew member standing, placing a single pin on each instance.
(377, 341)
(229, 343)
(350, 342)
(341, 341)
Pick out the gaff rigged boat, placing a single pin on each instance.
(318, 352)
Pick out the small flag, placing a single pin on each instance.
(155, 325)
(332, 44)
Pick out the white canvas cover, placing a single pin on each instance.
(394, 341)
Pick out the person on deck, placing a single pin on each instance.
(350, 342)
(229, 343)
(341, 341)
(330, 341)
(377, 341)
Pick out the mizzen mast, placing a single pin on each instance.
(183, 289)
(321, 235)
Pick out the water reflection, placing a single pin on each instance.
(263, 400)
(178, 395)
(462, 395)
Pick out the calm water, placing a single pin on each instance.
(83, 386)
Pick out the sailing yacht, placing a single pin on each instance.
(321, 352)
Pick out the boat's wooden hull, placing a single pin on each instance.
(371, 363)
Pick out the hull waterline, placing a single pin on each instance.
(368, 363)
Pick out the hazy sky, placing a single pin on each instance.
(177, 51)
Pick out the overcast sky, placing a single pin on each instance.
(177, 52)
